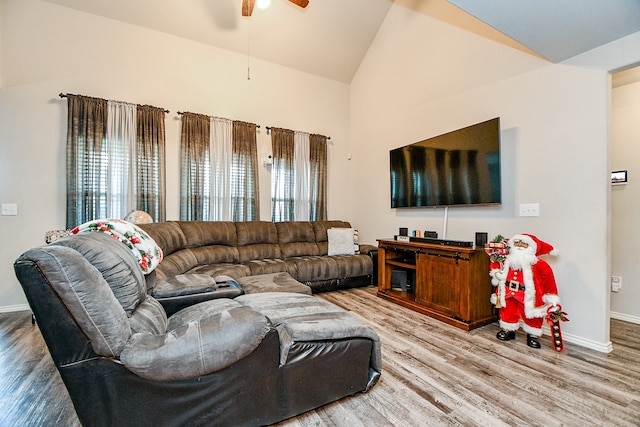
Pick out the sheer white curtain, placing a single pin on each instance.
(302, 172)
(221, 160)
(120, 182)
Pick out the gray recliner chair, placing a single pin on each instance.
(251, 361)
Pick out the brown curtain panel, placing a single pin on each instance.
(318, 181)
(244, 173)
(86, 158)
(151, 180)
(282, 175)
(194, 167)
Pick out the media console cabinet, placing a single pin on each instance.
(448, 283)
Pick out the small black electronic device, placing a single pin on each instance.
(443, 242)
(481, 239)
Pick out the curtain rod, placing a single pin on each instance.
(64, 95)
(214, 117)
(269, 129)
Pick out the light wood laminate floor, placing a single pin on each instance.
(433, 375)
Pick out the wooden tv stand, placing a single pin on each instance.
(448, 283)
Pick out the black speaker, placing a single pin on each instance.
(404, 231)
(481, 239)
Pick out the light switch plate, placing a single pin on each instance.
(9, 209)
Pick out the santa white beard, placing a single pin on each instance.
(520, 258)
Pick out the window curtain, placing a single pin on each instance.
(151, 182)
(195, 170)
(301, 171)
(282, 175)
(244, 173)
(121, 149)
(86, 139)
(221, 158)
(318, 177)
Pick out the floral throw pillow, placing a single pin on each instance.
(143, 247)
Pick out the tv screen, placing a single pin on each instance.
(458, 168)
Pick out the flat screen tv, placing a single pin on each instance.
(459, 168)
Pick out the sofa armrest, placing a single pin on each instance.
(368, 249)
(196, 347)
(372, 251)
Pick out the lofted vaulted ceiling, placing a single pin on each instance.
(330, 38)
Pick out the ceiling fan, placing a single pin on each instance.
(247, 5)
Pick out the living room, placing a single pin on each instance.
(420, 77)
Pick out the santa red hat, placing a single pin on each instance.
(541, 247)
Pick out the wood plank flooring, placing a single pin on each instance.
(433, 375)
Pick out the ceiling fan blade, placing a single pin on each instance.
(247, 7)
(301, 3)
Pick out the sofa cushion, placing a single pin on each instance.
(353, 265)
(198, 345)
(275, 282)
(116, 263)
(259, 251)
(177, 263)
(313, 268)
(184, 284)
(265, 266)
(206, 233)
(232, 270)
(256, 232)
(296, 238)
(168, 235)
(86, 295)
(295, 232)
(304, 318)
(215, 254)
(288, 250)
(149, 316)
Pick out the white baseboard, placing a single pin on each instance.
(593, 345)
(625, 317)
(12, 308)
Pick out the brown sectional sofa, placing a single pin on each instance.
(240, 249)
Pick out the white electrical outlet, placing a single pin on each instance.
(530, 209)
(616, 283)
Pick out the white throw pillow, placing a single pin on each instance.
(340, 241)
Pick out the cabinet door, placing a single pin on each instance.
(437, 283)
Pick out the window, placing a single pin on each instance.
(219, 178)
(115, 160)
(298, 176)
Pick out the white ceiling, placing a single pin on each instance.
(331, 37)
(558, 29)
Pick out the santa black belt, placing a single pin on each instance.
(515, 286)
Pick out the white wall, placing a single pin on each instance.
(625, 201)
(422, 78)
(50, 49)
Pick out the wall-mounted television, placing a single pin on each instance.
(459, 168)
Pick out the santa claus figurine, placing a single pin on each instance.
(525, 288)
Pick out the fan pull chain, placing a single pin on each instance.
(248, 51)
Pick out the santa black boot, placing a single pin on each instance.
(533, 341)
(505, 335)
